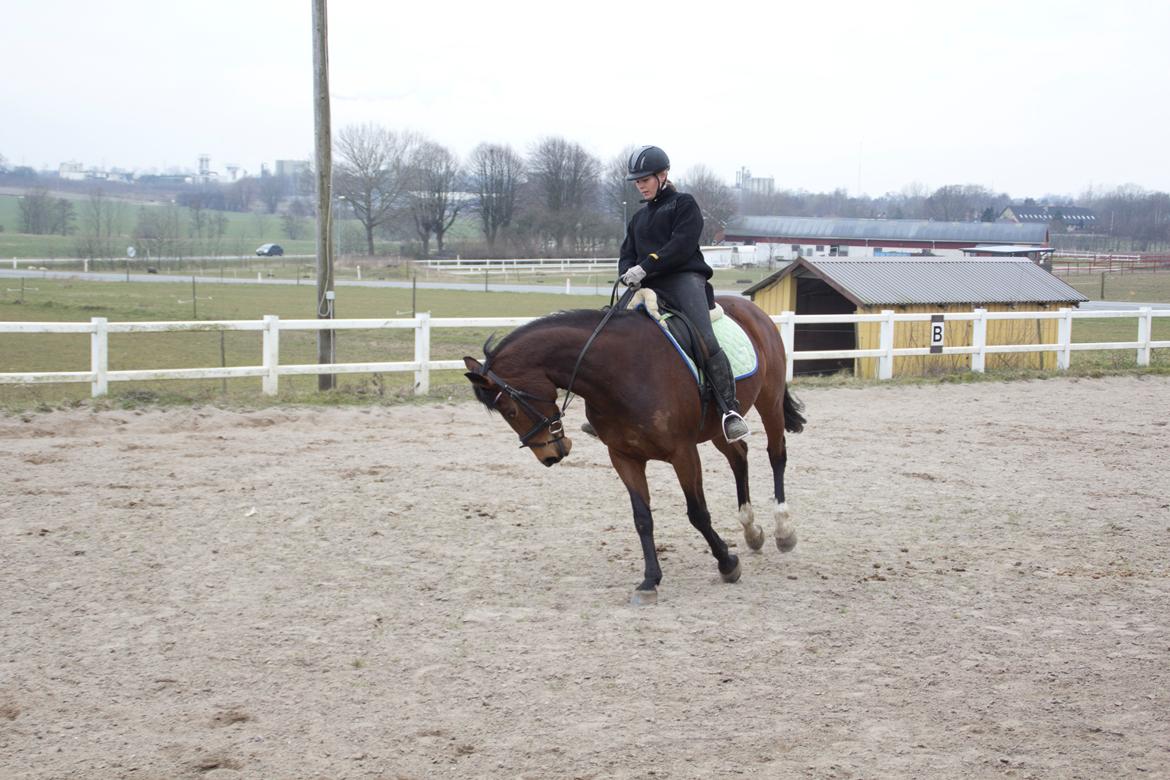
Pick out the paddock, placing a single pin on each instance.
(980, 589)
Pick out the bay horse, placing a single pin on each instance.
(644, 404)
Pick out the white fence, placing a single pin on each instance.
(535, 265)
(270, 369)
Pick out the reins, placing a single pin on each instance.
(621, 304)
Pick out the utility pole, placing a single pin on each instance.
(326, 339)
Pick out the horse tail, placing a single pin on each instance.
(793, 419)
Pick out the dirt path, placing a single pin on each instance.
(982, 588)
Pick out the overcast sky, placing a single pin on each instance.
(1027, 97)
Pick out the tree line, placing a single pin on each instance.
(553, 198)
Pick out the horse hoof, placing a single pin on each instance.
(733, 575)
(754, 536)
(644, 598)
(787, 543)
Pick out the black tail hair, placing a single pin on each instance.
(793, 419)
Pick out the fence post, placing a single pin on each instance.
(886, 345)
(422, 353)
(1064, 340)
(271, 354)
(979, 341)
(99, 356)
(1145, 327)
(788, 336)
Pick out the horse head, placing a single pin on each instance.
(533, 416)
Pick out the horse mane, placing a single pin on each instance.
(571, 318)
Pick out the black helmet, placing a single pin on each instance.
(646, 161)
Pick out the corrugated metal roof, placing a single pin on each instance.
(909, 281)
(824, 230)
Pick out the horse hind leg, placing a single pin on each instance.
(736, 455)
(772, 413)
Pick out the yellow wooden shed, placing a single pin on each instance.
(869, 285)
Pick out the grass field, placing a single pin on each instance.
(244, 231)
(71, 301)
(68, 301)
(1143, 288)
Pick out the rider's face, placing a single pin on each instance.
(648, 186)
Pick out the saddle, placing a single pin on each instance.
(674, 325)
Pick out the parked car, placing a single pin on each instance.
(270, 250)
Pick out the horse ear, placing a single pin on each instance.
(475, 372)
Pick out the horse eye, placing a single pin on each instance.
(511, 412)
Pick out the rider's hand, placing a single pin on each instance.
(634, 276)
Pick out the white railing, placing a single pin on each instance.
(270, 370)
(528, 265)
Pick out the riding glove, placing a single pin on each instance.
(634, 276)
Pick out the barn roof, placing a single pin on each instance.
(876, 230)
(908, 281)
(1045, 214)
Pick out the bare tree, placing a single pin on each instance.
(716, 200)
(102, 218)
(564, 176)
(272, 189)
(433, 173)
(619, 198)
(371, 172)
(961, 202)
(37, 212)
(158, 230)
(496, 175)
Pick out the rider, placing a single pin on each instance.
(661, 251)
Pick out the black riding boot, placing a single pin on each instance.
(719, 376)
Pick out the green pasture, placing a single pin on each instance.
(1138, 288)
(47, 300)
(243, 234)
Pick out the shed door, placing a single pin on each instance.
(813, 296)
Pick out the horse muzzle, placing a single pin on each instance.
(553, 452)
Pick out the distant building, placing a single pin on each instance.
(784, 238)
(291, 169)
(1074, 218)
(753, 185)
(71, 171)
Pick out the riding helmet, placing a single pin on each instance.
(646, 161)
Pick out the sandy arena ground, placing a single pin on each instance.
(980, 590)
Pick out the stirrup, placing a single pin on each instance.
(735, 428)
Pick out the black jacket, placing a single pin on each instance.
(668, 226)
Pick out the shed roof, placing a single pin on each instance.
(889, 229)
(909, 281)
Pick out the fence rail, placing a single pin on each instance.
(531, 265)
(1071, 263)
(270, 369)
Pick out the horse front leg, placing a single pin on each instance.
(633, 476)
(689, 469)
(736, 455)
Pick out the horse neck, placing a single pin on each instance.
(553, 352)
